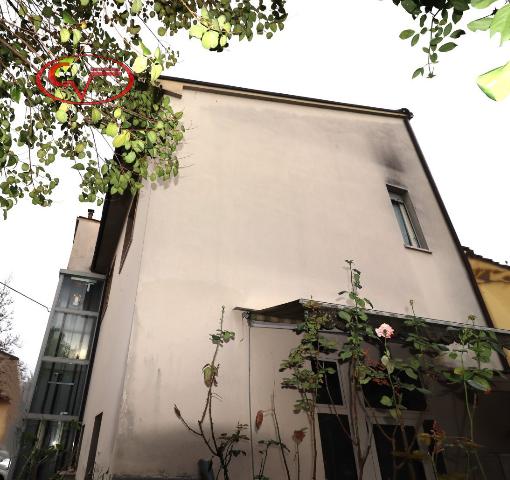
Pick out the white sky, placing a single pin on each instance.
(342, 51)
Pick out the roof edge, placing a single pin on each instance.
(471, 254)
(283, 97)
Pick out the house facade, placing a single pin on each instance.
(275, 192)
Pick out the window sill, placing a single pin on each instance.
(418, 249)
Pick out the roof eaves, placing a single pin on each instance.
(282, 97)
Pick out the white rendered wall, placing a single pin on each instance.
(273, 198)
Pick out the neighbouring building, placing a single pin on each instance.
(277, 192)
(493, 280)
(10, 396)
(51, 425)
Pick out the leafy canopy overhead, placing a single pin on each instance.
(141, 128)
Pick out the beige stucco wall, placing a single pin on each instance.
(84, 244)
(109, 369)
(274, 198)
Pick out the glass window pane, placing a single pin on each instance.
(337, 451)
(59, 389)
(401, 460)
(80, 293)
(70, 336)
(401, 222)
(409, 226)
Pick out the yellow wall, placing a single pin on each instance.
(494, 283)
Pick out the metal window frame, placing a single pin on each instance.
(411, 222)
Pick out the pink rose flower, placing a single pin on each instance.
(384, 331)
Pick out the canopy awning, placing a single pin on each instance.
(292, 313)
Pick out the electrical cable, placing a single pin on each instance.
(26, 296)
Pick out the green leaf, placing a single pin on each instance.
(145, 50)
(84, 3)
(405, 34)
(460, 5)
(456, 16)
(411, 373)
(415, 39)
(136, 6)
(156, 70)
(386, 401)
(117, 112)
(61, 116)
(15, 94)
(76, 36)
(68, 18)
(78, 166)
(96, 115)
(197, 31)
(418, 71)
(130, 157)
(111, 129)
(120, 140)
(447, 47)
(496, 83)
(409, 6)
(65, 35)
(161, 31)
(210, 39)
(501, 23)
(151, 135)
(140, 64)
(345, 355)
(479, 383)
(457, 33)
(482, 3)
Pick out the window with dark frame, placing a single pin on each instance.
(337, 447)
(128, 235)
(406, 218)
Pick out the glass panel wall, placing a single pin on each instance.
(61, 378)
(80, 293)
(70, 336)
(59, 389)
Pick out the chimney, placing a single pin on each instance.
(91, 213)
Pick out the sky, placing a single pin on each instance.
(342, 51)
